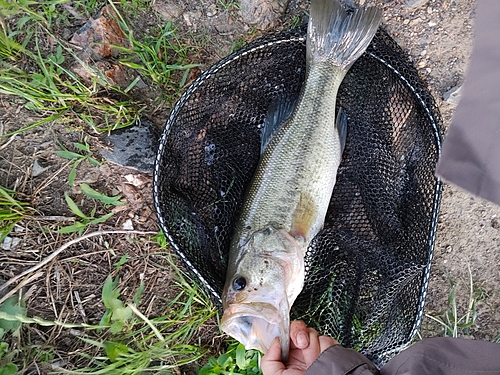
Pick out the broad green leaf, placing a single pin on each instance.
(241, 361)
(94, 194)
(116, 326)
(101, 219)
(224, 360)
(12, 307)
(72, 176)
(114, 349)
(109, 291)
(74, 208)
(122, 314)
(68, 154)
(115, 304)
(78, 226)
(83, 147)
(9, 369)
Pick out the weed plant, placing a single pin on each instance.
(236, 360)
(128, 341)
(456, 321)
(12, 211)
(42, 79)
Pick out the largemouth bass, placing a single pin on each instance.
(287, 201)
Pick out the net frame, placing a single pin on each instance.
(193, 239)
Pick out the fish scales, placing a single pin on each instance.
(298, 159)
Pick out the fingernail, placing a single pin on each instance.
(302, 340)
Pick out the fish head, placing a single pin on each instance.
(261, 287)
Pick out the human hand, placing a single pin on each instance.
(305, 346)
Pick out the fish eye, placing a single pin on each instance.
(239, 283)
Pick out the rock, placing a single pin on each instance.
(100, 34)
(413, 4)
(37, 168)
(495, 223)
(98, 56)
(127, 225)
(134, 147)
(211, 10)
(168, 10)
(262, 13)
(453, 95)
(9, 243)
(421, 64)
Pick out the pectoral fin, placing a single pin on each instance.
(303, 216)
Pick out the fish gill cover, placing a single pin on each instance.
(367, 270)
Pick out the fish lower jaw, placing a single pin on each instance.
(257, 329)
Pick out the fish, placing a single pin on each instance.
(286, 203)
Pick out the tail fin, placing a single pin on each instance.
(339, 36)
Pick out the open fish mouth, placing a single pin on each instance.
(256, 325)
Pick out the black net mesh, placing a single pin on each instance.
(367, 271)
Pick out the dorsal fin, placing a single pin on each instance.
(277, 113)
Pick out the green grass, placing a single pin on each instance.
(43, 80)
(236, 360)
(12, 211)
(457, 320)
(76, 158)
(127, 341)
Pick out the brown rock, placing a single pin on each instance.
(262, 13)
(97, 39)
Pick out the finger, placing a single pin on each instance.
(299, 335)
(313, 350)
(325, 342)
(271, 362)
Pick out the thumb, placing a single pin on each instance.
(271, 362)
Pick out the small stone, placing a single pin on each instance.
(453, 95)
(37, 168)
(187, 19)
(413, 4)
(135, 180)
(262, 13)
(414, 21)
(421, 64)
(9, 243)
(432, 23)
(212, 10)
(127, 225)
(168, 11)
(495, 223)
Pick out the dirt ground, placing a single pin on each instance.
(437, 34)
